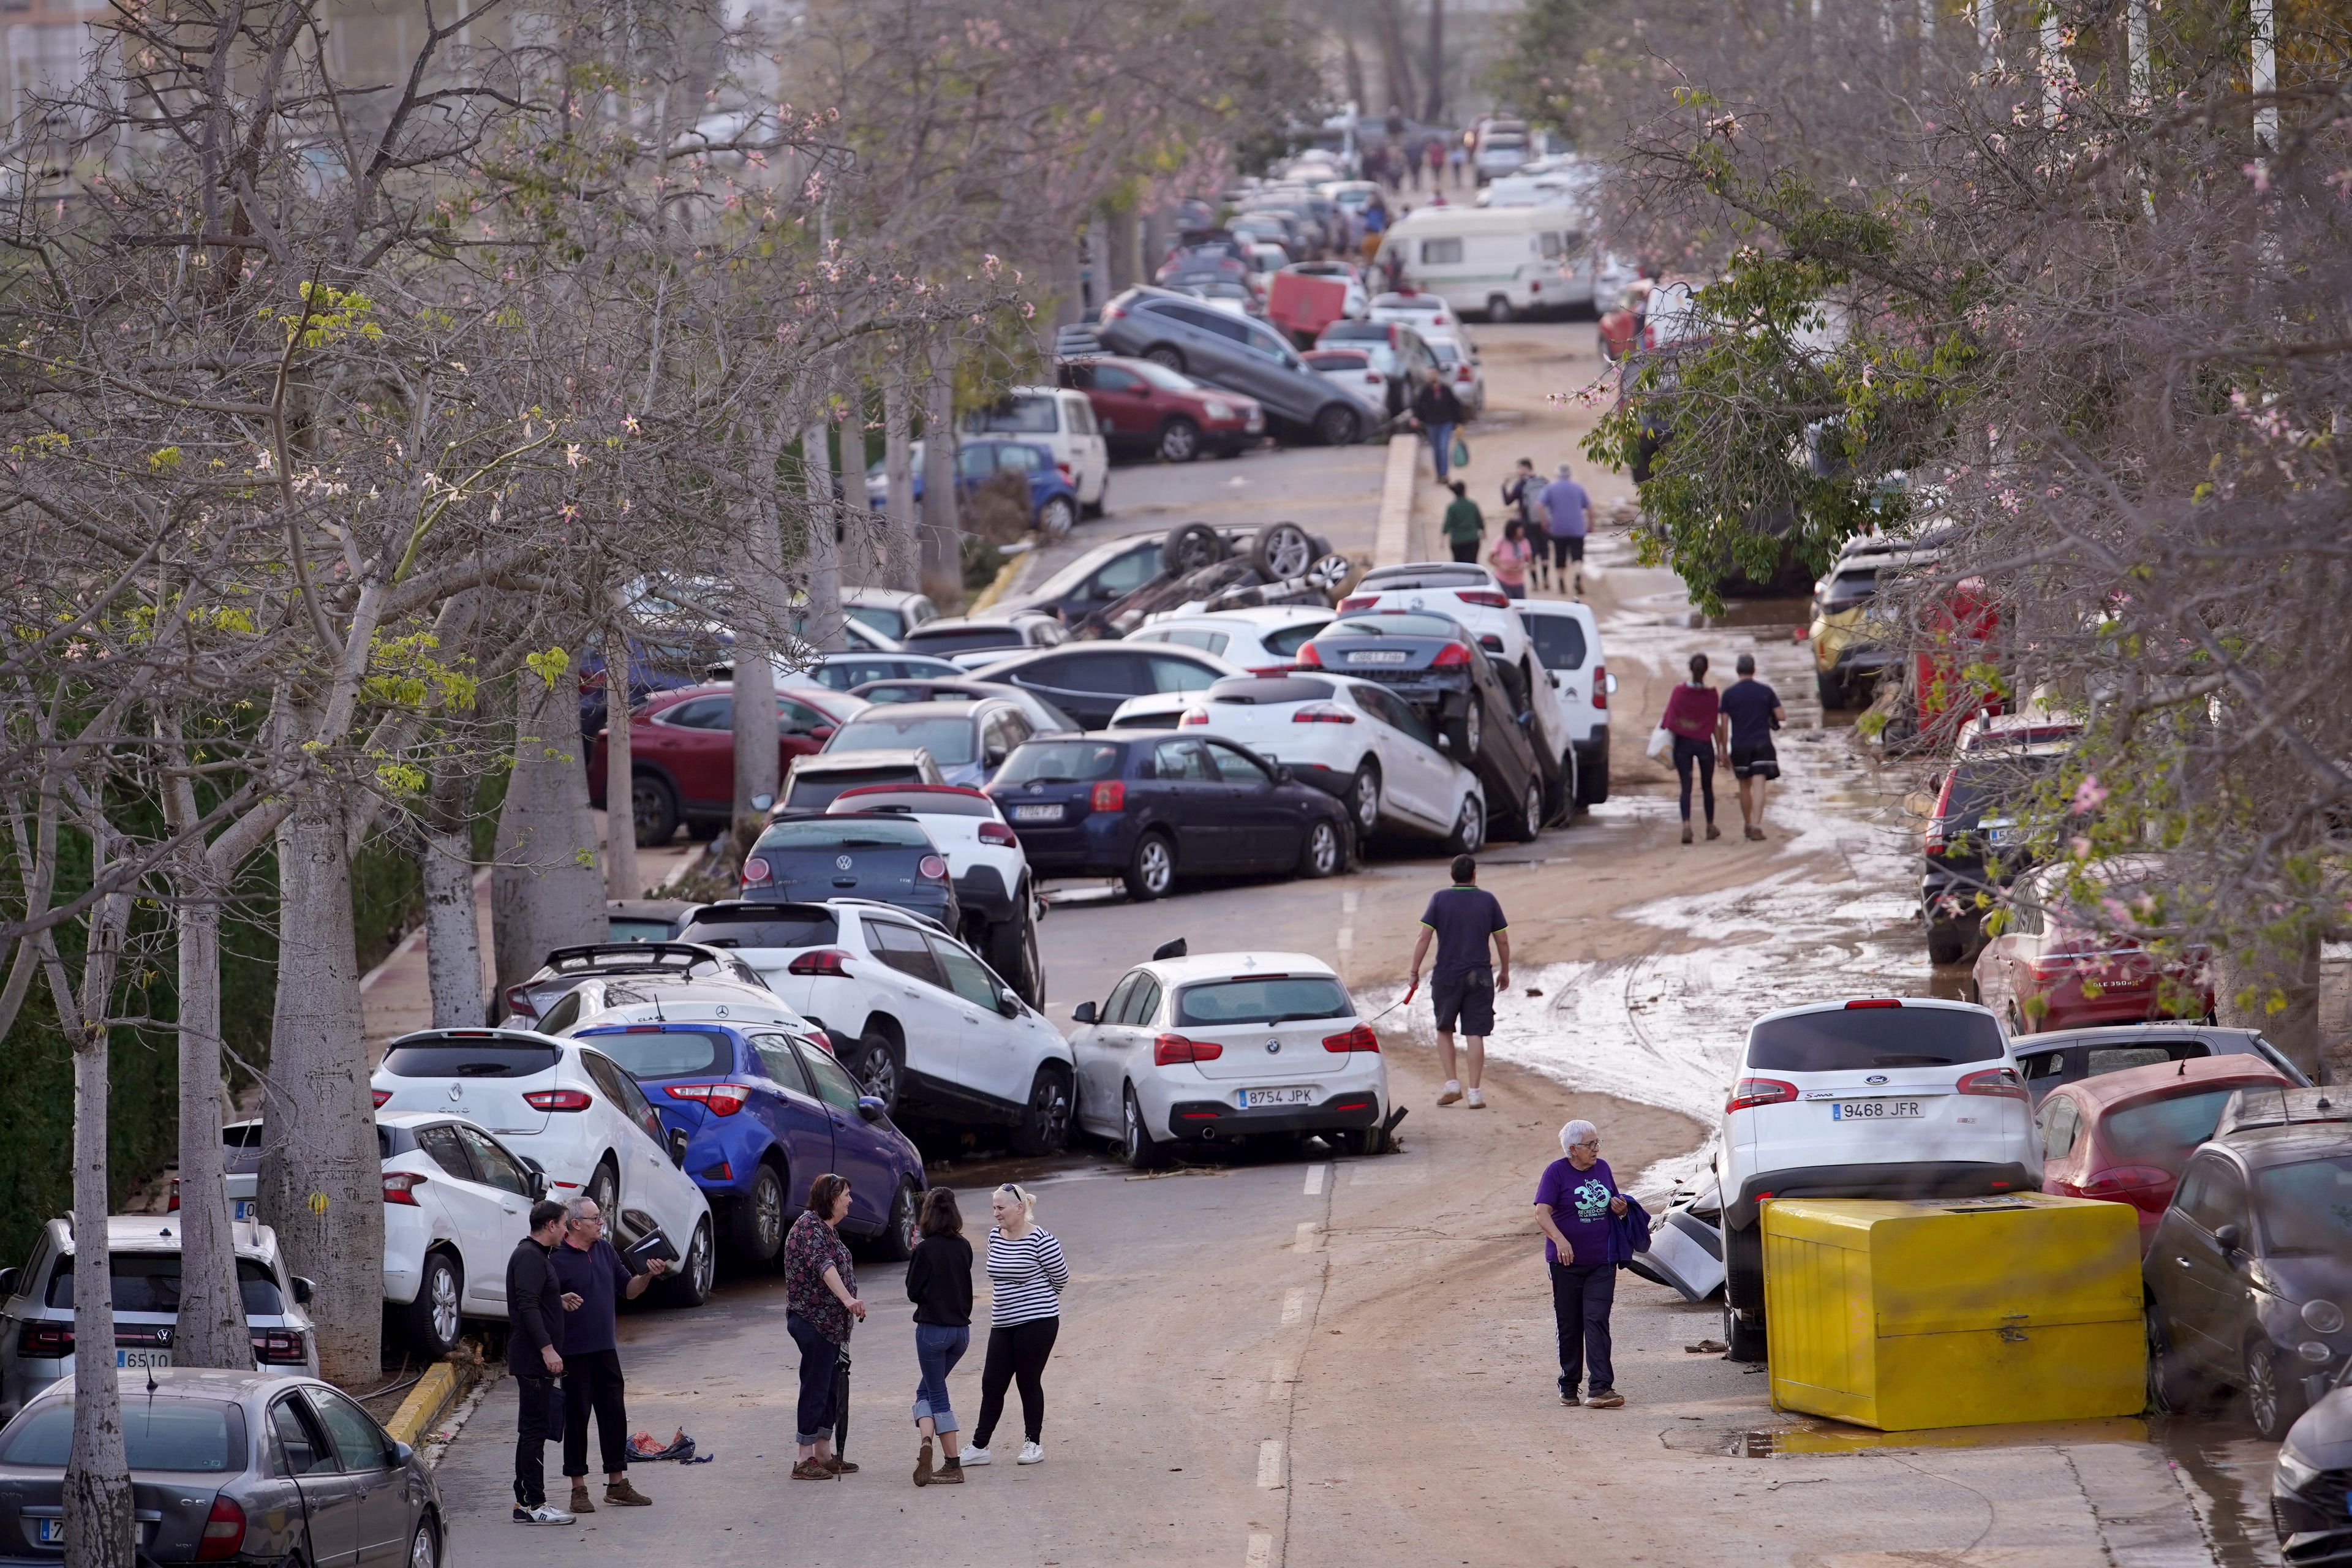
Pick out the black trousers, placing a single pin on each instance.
(1464, 550)
(542, 1417)
(591, 1382)
(1016, 1354)
(1698, 754)
(1581, 1294)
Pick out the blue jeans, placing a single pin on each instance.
(937, 1350)
(820, 1361)
(1441, 442)
(1581, 1294)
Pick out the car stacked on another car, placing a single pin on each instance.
(1143, 407)
(1262, 639)
(1567, 639)
(567, 968)
(994, 892)
(856, 854)
(1191, 336)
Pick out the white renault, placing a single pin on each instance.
(577, 1114)
(1879, 1097)
(1567, 640)
(1227, 1047)
(1059, 418)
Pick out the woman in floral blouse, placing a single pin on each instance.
(820, 1300)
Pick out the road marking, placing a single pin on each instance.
(1278, 1384)
(1294, 1305)
(1310, 1236)
(1260, 1553)
(1315, 1180)
(1348, 901)
(1269, 1464)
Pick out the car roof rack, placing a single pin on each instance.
(2266, 1107)
(644, 957)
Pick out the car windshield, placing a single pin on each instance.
(149, 1282)
(2306, 1206)
(1061, 762)
(764, 925)
(635, 928)
(669, 1053)
(1851, 1039)
(1268, 999)
(949, 739)
(470, 1058)
(1400, 624)
(1357, 331)
(1339, 359)
(843, 832)
(2163, 1132)
(201, 1437)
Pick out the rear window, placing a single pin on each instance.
(149, 1282)
(1559, 640)
(1030, 416)
(470, 1058)
(1337, 359)
(1849, 1040)
(635, 928)
(2165, 1132)
(812, 791)
(764, 927)
(1356, 332)
(1849, 588)
(673, 1053)
(948, 738)
(1270, 999)
(964, 639)
(1271, 689)
(844, 833)
(1399, 625)
(1061, 762)
(202, 1437)
(940, 803)
(1981, 785)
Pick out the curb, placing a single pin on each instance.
(1392, 534)
(1000, 584)
(425, 1403)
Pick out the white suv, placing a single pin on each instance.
(667, 999)
(993, 887)
(1874, 1098)
(917, 1017)
(1567, 640)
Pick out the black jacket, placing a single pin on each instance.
(939, 1281)
(535, 1308)
(1436, 404)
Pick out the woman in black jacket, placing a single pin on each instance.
(1438, 412)
(939, 1282)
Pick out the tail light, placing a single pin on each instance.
(173, 1206)
(1359, 1039)
(1322, 713)
(379, 1096)
(932, 868)
(1174, 1050)
(1373, 378)
(48, 1342)
(996, 832)
(271, 1347)
(224, 1535)
(1064, 469)
(1462, 374)
(1750, 1092)
(1535, 285)
(1309, 658)
(557, 1099)
(1936, 842)
(1490, 598)
(1601, 686)
(1112, 313)
(1859, 1002)
(724, 1098)
(828, 962)
(1195, 716)
(1359, 602)
(519, 1003)
(400, 1187)
(2000, 1083)
(755, 869)
(1267, 669)
(1453, 656)
(2142, 1186)
(1109, 795)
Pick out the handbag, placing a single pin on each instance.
(1662, 740)
(1461, 453)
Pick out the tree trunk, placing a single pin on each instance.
(545, 890)
(621, 877)
(942, 551)
(1435, 113)
(2276, 990)
(453, 931)
(756, 763)
(322, 1177)
(902, 566)
(211, 1331)
(823, 537)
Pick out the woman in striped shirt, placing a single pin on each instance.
(1026, 1273)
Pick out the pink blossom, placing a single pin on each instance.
(2090, 794)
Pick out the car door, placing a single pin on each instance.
(1127, 1050)
(1089, 453)
(504, 1178)
(856, 1155)
(1122, 404)
(802, 730)
(1095, 1058)
(917, 992)
(300, 1448)
(380, 1489)
(2060, 1121)
(1416, 781)
(2208, 1295)
(786, 1102)
(1268, 823)
(1215, 346)
(694, 743)
(472, 1207)
(996, 1050)
(639, 1144)
(1089, 686)
(1192, 800)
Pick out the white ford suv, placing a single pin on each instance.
(1874, 1098)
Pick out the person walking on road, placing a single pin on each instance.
(1026, 1275)
(1463, 526)
(1520, 493)
(1693, 714)
(1510, 559)
(1438, 412)
(821, 1308)
(586, 1267)
(1376, 224)
(535, 1306)
(1753, 712)
(1576, 1202)
(1462, 920)
(939, 1282)
(1567, 516)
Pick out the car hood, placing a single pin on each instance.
(2322, 1437)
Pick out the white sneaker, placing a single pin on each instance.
(974, 1456)
(1452, 1092)
(545, 1513)
(1476, 1101)
(1031, 1454)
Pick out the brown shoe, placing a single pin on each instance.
(579, 1503)
(811, 1470)
(1686, 833)
(1608, 1400)
(623, 1495)
(840, 1467)
(923, 1464)
(1713, 831)
(948, 1475)
(1754, 832)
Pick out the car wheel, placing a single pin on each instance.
(690, 1286)
(1013, 953)
(2173, 1384)
(1328, 572)
(1136, 1146)
(1179, 440)
(2274, 1393)
(434, 1320)
(1463, 735)
(1057, 517)
(1281, 552)
(1338, 426)
(1945, 945)
(1743, 1338)
(425, 1546)
(875, 1065)
(1166, 356)
(652, 808)
(604, 1187)
(1364, 797)
(1743, 1270)
(1044, 1127)
(1831, 691)
(1571, 787)
(1532, 812)
(1470, 829)
(2017, 1029)
(757, 1229)
(1325, 851)
(1358, 1141)
(1153, 870)
(897, 1242)
(1188, 547)
(1499, 311)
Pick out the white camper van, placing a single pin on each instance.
(1505, 262)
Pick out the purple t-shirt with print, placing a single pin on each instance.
(1579, 1206)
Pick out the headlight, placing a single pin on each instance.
(2298, 1474)
(2314, 1351)
(2324, 1317)
(1220, 410)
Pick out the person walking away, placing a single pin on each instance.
(1412, 154)
(1510, 557)
(1376, 224)
(1575, 1202)
(821, 1308)
(535, 1306)
(1026, 1275)
(939, 1282)
(1520, 493)
(1464, 525)
(1693, 713)
(1438, 412)
(1567, 513)
(1751, 710)
(1461, 919)
(586, 1267)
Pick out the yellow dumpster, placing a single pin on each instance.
(1963, 1312)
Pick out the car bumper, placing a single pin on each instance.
(981, 891)
(1207, 1120)
(1917, 1179)
(407, 1236)
(2314, 1548)
(1592, 752)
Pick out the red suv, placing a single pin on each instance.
(1144, 407)
(682, 754)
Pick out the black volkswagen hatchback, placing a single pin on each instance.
(854, 856)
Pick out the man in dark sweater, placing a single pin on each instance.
(535, 1304)
(587, 1266)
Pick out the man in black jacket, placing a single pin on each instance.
(535, 1306)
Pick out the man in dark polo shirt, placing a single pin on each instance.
(1461, 919)
(1752, 710)
(535, 1306)
(587, 1266)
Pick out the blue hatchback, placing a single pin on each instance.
(1053, 500)
(765, 1113)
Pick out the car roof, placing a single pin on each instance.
(843, 761)
(1200, 966)
(962, 708)
(1566, 609)
(202, 1382)
(2107, 1090)
(1274, 617)
(2159, 1028)
(2262, 1147)
(161, 1233)
(2285, 1110)
(1805, 1008)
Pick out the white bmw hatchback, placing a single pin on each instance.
(1226, 1047)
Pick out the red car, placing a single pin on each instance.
(1148, 408)
(2053, 968)
(2124, 1136)
(682, 754)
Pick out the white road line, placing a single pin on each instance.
(1315, 1180)
(1310, 1236)
(1269, 1464)
(1278, 1386)
(1294, 1306)
(1260, 1553)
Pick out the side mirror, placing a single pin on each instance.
(869, 1108)
(1008, 1002)
(1613, 686)
(995, 757)
(535, 1178)
(677, 1142)
(2229, 1238)
(1084, 1013)
(1282, 772)
(303, 1290)
(401, 1452)
(1553, 676)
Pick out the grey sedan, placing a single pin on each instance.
(232, 1467)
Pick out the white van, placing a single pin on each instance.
(1059, 418)
(1503, 261)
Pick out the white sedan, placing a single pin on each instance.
(1427, 315)
(1226, 1047)
(1263, 639)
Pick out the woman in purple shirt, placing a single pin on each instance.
(1574, 1203)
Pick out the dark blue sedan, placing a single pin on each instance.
(765, 1114)
(1148, 807)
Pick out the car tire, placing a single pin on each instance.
(1743, 1270)
(1325, 852)
(2017, 1029)
(1464, 733)
(1179, 441)
(755, 1226)
(1593, 781)
(604, 1187)
(877, 1067)
(1530, 822)
(690, 1286)
(652, 808)
(1364, 798)
(1469, 833)
(1013, 953)
(1571, 787)
(1329, 571)
(1337, 425)
(1831, 691)
(2174, 1386)
(1057, 517)
(1945, 945)
(1281, 552)
(434, 1322)
(1499, 311)
(2274, 1393)
(1044, 1125)
(1136, 1148)
(897, 1242)
(425, 1546)
(1168, 356)
(1743, 1338)
(1152, 869)
(1188, 547)
(1358, 1141)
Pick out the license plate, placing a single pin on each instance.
(1037, 814)
(245, 1208)
(1251, 1099)
(142, 1358)
(50, 1531)
(1873, 1110)
(1380, 655)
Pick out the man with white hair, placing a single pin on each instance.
(594, 1279)
(1574, 1205)
(1564, 509)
